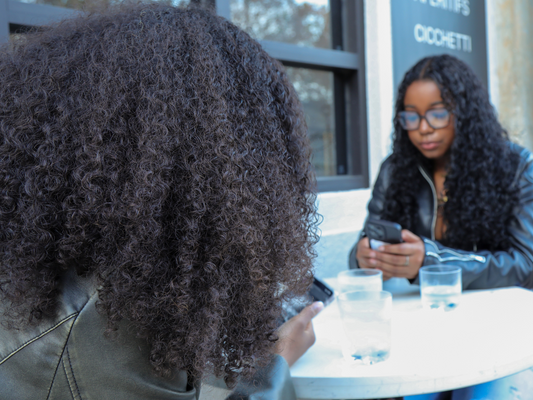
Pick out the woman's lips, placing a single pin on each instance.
(429, 145)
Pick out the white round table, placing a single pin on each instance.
(488, 336)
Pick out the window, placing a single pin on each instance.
(319, 41)
(315, 90)
(321, 44)
(304, 23)
(18, 16)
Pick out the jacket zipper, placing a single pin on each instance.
(434, 220)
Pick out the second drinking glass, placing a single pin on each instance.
(360, 279)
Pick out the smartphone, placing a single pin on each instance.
(381, 232)
(319, 291)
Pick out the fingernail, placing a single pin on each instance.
(372, 255)
(318, 306)
(381, 248)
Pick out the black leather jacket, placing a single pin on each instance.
(481, 269)
(68, 357)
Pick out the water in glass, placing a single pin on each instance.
(440, 287)
(366, 319)
(445, 297)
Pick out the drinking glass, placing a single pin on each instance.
(366, 319)
(440, 286)
(360, 279)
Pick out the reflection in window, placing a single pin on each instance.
(301, 22)
(315, 90)
(89, 5)
(75, 4)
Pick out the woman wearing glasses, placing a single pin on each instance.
(462, 192)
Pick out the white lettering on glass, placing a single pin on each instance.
(456, 6)
(440, 38)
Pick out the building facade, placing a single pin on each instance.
(344, 58)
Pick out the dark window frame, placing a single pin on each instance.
(19, 14)
(347, 62)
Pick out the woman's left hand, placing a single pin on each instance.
(401, 260)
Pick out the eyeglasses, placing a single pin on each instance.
(437, 118)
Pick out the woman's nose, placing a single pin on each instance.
(424, 126)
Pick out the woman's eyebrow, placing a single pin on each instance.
(436, 103)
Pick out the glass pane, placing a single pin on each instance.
(301, 22)
(76, 4)
(315, 90)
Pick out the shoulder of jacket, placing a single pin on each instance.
(385, 172)
(525, 165)
(386, 164)
(74, 293)
(520, 150)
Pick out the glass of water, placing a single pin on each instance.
(360, 279)
(440, 286)
(366, 319)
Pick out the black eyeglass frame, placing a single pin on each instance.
(420, 116)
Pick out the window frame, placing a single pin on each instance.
(347, 62)
(17, 15)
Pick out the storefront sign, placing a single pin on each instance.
(422, 28)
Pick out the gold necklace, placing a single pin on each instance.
(442, 198)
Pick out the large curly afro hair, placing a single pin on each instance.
(162, 151)
(481, 171)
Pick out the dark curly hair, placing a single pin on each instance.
(479, 182)
(161, 150)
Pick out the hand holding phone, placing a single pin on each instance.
(297, 334)
(319, 291)
(408, 256)
(382, 232)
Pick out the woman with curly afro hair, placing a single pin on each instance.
(156, 209)
(462, 192)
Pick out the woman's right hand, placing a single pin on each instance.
(297, 334)
(365, 254)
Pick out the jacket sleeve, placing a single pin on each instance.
(485, 269)
(270, 383)
(375, 206)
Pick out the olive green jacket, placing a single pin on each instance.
(69, 358)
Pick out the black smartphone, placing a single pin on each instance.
(381, 232)
(319, 291)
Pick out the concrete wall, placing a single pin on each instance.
(510, 45)
(344, 214)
